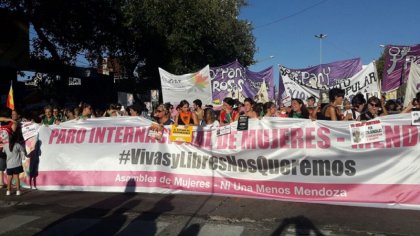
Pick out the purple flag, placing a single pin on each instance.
(396, 62)
(234, 80)
(323, 76)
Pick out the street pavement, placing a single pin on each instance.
(38, 212)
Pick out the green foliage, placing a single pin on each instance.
(178, 35)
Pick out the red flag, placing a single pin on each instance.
(10, 103)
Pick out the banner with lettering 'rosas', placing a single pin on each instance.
(282, 159)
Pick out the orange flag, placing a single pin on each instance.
(10, 103)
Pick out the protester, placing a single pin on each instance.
(391, 107)
(162, 115)
(112, 111)
(69, 114)
(298, 109)
(312, 107)
(3, 167)
(283, 112)
(259, 109)
(56, 113)
(249, 111)
(86, 111)
(210, 117)
(15, 153)
(413, 105)
(332, 111)
(373, 106)
(49, 119)
(228, 115)
(198, 110)
(270, 109)
(185, 116)
(8, 125)
(358, 104)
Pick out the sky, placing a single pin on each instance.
(286, 29)
(354, 29)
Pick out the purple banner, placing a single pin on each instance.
(396, 69)
(323, 76)
(234, 80)
(319, 77)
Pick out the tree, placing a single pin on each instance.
(178, 35)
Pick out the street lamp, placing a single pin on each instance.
(320, 37)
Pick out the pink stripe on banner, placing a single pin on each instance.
(366, 193)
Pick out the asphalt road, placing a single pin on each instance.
(91, 213)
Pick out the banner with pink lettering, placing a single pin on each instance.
(282, 159)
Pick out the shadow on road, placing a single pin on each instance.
(108, 224)
(192, 230)
(302, 225)
(146, 223)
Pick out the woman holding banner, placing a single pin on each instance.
(414, 105)
(185, 116)
(162, 115)
(331, 111)
(270, 109)
(228, 114)
(298, 109)
(249, 108)
(374, 110)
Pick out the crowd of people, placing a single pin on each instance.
(197, 114)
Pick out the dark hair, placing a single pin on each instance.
(258, 108)
(267, 106)
(418, 97)
(210, 113)
(303, 110)
(184, 102)
(374, 99)
(229, 101)
(168, 105)
(135, 107)
(311, 98)
(198, 102)
(13, 139)
(358, 99)
(250, 100)
(336, 92)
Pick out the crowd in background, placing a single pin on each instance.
(338, 109)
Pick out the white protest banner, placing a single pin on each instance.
(365, 81)
(367, 132)
(413, 84)
(29, 129)
(223, 130)
(284, 159)
(293, 90)
(189, 86)
(415, 117)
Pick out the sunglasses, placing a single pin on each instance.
(375, 105)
